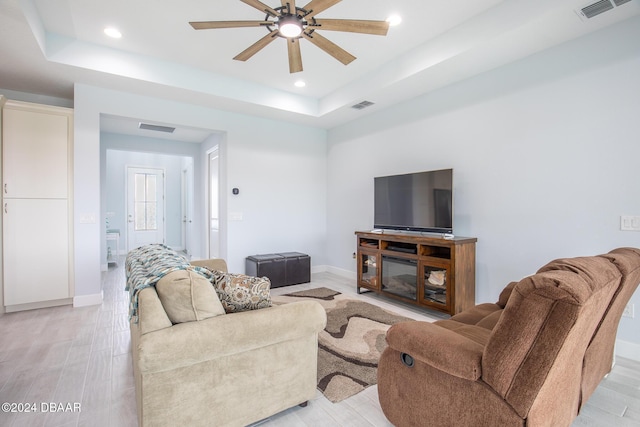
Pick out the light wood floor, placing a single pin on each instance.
(82, 355)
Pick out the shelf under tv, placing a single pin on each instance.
(443, 270)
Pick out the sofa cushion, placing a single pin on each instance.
(239, 292)
(188, 296)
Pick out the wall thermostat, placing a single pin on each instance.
(235, 191)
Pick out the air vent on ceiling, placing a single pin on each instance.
(361, 105)
(599, 7)
(596, 8)
(157, 128)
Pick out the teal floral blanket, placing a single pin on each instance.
(146, 265)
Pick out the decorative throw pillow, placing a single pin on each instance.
(188, 296)
(239, 292)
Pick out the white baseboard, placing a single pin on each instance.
(627, 349)
(87, 300)
(318, 269)
(37, 305)
(334, 270)
(342, 273)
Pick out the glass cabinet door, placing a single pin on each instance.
(436, 279)
(369, 270)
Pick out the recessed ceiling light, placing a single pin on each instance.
(394, 20)
(113, 32)
(300, 83)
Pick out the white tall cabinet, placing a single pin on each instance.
(36, 205)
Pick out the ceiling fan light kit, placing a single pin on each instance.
(289, 26)
(296, 23)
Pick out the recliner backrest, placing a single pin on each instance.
(549, 320)
(600, 353)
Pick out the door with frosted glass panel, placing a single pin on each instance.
(145, 206)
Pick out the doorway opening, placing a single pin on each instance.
(184, 156)
(214, 203)
(186, 195)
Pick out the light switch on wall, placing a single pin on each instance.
(629, 311)
(630, 223)
(235, 216)
(87, 218)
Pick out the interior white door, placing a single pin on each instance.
(145, 206)
(187, 220)
(36, 250)
(214, 210)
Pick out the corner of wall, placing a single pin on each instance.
(88, 300)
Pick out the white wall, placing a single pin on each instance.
(279, 168)
(545, 155)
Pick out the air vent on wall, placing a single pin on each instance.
(361, 105)
(599, 7)
(157, 128)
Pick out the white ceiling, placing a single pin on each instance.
(47, 45)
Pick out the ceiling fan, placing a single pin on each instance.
(295, 23)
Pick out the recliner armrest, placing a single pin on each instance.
(441, 348)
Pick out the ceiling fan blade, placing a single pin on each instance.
(379, 28)
(330, 47)
(316, 6)
(292, 5)
(206, 25)
(295, 58)
(256, 47)
(261, 7)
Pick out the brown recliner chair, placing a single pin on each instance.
(531, 359)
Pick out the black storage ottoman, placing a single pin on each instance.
(297, 267)
(270, 265)
(288, 268)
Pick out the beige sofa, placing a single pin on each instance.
(227, 370)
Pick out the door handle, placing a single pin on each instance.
(5, 208)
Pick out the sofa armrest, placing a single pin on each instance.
(189, 343)
(436, 346)
(155, 317)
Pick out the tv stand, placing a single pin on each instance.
(436, 272)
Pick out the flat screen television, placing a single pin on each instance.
(421, 201)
